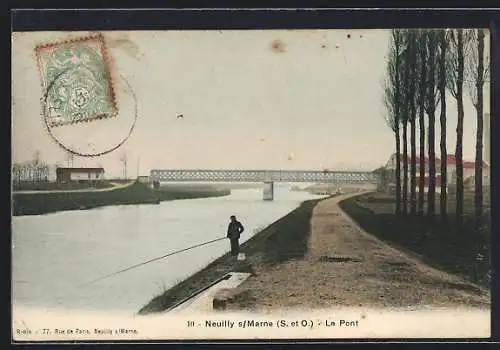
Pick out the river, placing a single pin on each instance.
(54, 254)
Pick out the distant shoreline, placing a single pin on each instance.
(138, 193)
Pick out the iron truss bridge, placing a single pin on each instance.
(193, 175)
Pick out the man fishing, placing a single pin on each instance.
(234, 231)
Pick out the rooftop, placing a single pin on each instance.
(81, 169)
(450, 160)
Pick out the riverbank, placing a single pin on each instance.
(347, 267)
(137, 193)
(465, 254)
(317, 257)
(279, 242)
(21, 186)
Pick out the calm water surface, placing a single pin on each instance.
(54, 254)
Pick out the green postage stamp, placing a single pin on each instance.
(76, 81)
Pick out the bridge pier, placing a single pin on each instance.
(268, 191)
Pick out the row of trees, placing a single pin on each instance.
(37, 170)
(422, 67)
(33, 171)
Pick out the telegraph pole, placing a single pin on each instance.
(123, 158)
(138, 163)
(70, 159)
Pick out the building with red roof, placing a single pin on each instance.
(451, 163)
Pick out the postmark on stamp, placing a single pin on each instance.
(76, 81)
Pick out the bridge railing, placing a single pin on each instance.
(263, 176)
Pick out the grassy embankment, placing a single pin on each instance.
(137, 193)
(55, 186)
(283, 240)
(287, 239)
(440, 247)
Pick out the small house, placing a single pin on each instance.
(67, 175)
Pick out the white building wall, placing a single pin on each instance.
(76, 176)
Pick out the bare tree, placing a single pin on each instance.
(46, 172)
(476, 73)
(392, 120)
(35, 163)
(36, 158)
(456, 66)
(26, 173)
(430, 108)
(443, 201)
(405, 115)
(421, 97)
(392, 101)
(16, 173)
(22, 172)
(411, 87)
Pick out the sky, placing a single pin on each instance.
(255, 99)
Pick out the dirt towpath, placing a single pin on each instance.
(346, 267)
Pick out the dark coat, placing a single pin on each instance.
(235, 229)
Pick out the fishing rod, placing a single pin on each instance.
(149, 261)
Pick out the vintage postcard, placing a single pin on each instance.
(257, 184)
